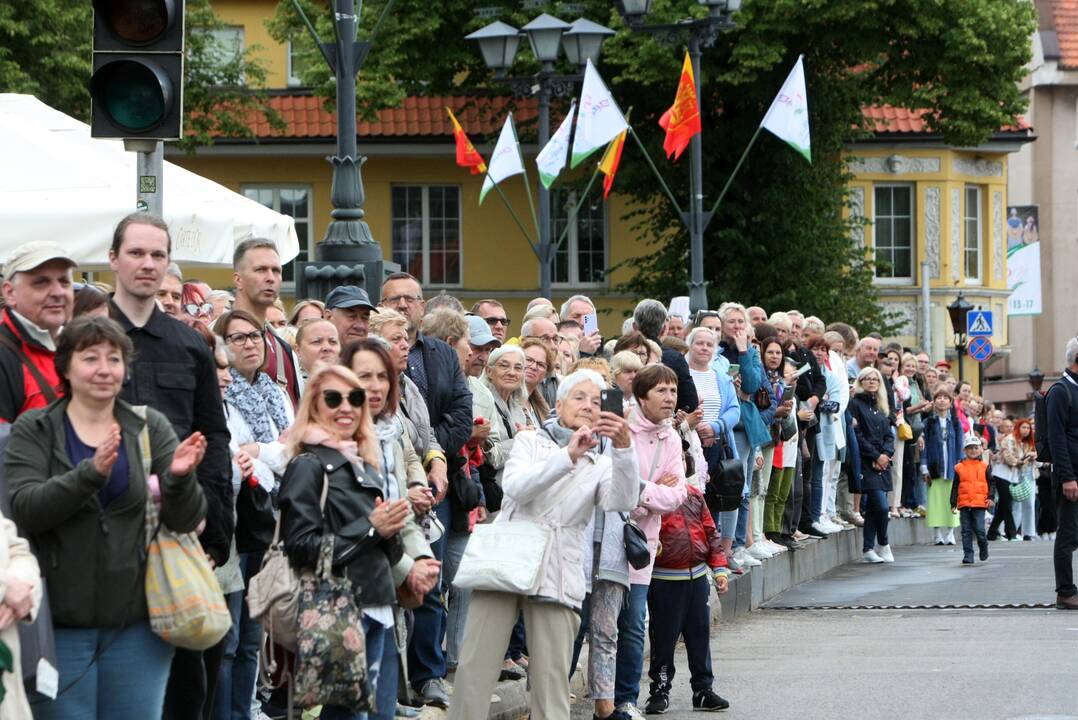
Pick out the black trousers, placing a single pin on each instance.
(679, 608)
(1002, 513)
(1066, 542)
(188, 690)
(1046, 516)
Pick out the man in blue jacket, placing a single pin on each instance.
(1062, 409)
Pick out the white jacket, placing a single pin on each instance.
(535, 477)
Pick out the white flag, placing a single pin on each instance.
(551, 159)
(505, 161)
(788, 116)
(600, 121)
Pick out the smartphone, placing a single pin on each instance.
(733, 370)
(591, 323)
(612, 401)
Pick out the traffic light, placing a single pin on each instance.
(137, 85)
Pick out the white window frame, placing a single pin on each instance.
(238, 32)
(425, 210)
(978, 219)
(572, 245)
(291, 79)
(912, 189)
(289, 288)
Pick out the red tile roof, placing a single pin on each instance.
(1065, 19)
(424, 117)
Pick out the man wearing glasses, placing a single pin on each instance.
(494, 314)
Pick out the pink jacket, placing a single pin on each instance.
(658, 446)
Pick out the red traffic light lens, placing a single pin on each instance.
(138, 22)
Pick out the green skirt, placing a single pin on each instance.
(939, 505)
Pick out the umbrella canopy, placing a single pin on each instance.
(57, 183)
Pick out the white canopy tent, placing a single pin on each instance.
(57, 183)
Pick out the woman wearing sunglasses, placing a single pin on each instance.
(334, 445)
(193, 305)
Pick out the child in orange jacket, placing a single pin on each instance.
(969, 498)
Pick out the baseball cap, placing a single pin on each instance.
(479, 332)
(34, 254)
(943, 364)
(971, 440)
(349, 296)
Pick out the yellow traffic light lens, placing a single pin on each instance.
(132, 95)
(138, 22)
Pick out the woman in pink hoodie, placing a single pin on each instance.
(662, 474)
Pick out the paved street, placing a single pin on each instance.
(950, 662)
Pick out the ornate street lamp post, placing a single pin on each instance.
(958, 310)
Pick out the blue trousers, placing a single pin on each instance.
(630, 662)
(426, 661)
(680, 608)
(127, 681)
(239, 663)
(816, 500)
(877, 517)
(377, 637)
(972, 520)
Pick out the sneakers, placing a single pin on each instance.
(821, 529)
(433, 692)
(884, 551)
(630, 711)
(939, 536)
(870, 556)
(774, 547)
(967, 559)
(707, 701)
(657, 704)
(511, 671)
(733, 565)
(616, 715)
(746, 559)
(760, 551)
(949, 538)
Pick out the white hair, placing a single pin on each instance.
(780, 319)
(219, 295)
(728, 307)
(569, 303)
(497, 353)
(1071, 353)
(627, 326)
(174, 270)
(582, 375)
(700, 330)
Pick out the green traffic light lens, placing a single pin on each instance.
(138, 22)
(132, 96)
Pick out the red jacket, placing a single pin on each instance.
(19, 391)
(688, 538)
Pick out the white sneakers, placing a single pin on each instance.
(820, 527)
(760, 552)
(870, 556)
(884, 551)
(774, 547)
(746, 559)
(949, 538)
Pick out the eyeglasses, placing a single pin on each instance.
(333, 398)
(492, 321)
(409, 299)
(532, 362)
(241, 339)
(542, 338)
(196, 309)
(506, 367)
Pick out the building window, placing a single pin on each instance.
(971, 246)
(426, 232)
(299, 61)
(893, 230)
(581, 258)
(225, 51)
(294, 201)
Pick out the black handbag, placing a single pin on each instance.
(637, 551)
(492, 491)
(462, 489)
(254, 519)
(726, 480)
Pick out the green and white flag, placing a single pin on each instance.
(551, 159)
(787, 118)
(506, 160)
(600, 121)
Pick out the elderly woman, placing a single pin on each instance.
(872, 423)
(505, 380)
(555, 476)
(538, 364)
(623, 367)
(336, 448)
(317, 342)
(78, 490)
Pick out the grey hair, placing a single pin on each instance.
(627, 326)
(219, 295)
(526, 328)
(174, 270)
(582, 375)
(442, 300)
(780, 319)
(497, 353)
(699, 330)
(727, 307)
(1071, 353)
(575, 298)
(813, 323)
(649, 316)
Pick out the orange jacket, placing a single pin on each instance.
(970, 489)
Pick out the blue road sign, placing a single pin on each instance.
(980, 348)
(978, 323)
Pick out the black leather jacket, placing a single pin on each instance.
(359, 553)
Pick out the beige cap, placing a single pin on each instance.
(34, 254)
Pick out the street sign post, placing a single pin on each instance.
(979, 323)
(980, 348)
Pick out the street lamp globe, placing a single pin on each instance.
(583, 41)
(544, 34)
(635, 10)
(1036, 379)
(498, 43)
(958, 310)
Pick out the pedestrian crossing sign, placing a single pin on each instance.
(979, 323)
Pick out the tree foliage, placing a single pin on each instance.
(45, 51)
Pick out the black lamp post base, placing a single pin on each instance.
(316, 279)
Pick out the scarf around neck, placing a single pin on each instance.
(258, 404)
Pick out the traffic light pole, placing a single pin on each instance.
(149, 175)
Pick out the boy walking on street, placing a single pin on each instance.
(969, 498)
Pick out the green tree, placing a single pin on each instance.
(780, 239)
(45, 51)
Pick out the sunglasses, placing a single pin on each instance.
(492, 321)
(333, 398)
(196, 309)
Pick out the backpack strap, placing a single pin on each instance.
(35, 373)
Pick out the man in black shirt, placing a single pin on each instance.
(175, 374)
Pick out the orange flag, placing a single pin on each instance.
(467, 155)
(608, 166)
(682, 120)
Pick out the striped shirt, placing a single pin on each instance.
(707, 388)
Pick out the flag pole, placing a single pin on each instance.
(658, 176)
(737, 167)
(516, 217)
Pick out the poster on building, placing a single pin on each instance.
(1023, 260)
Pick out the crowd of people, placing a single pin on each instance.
(379, 435)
